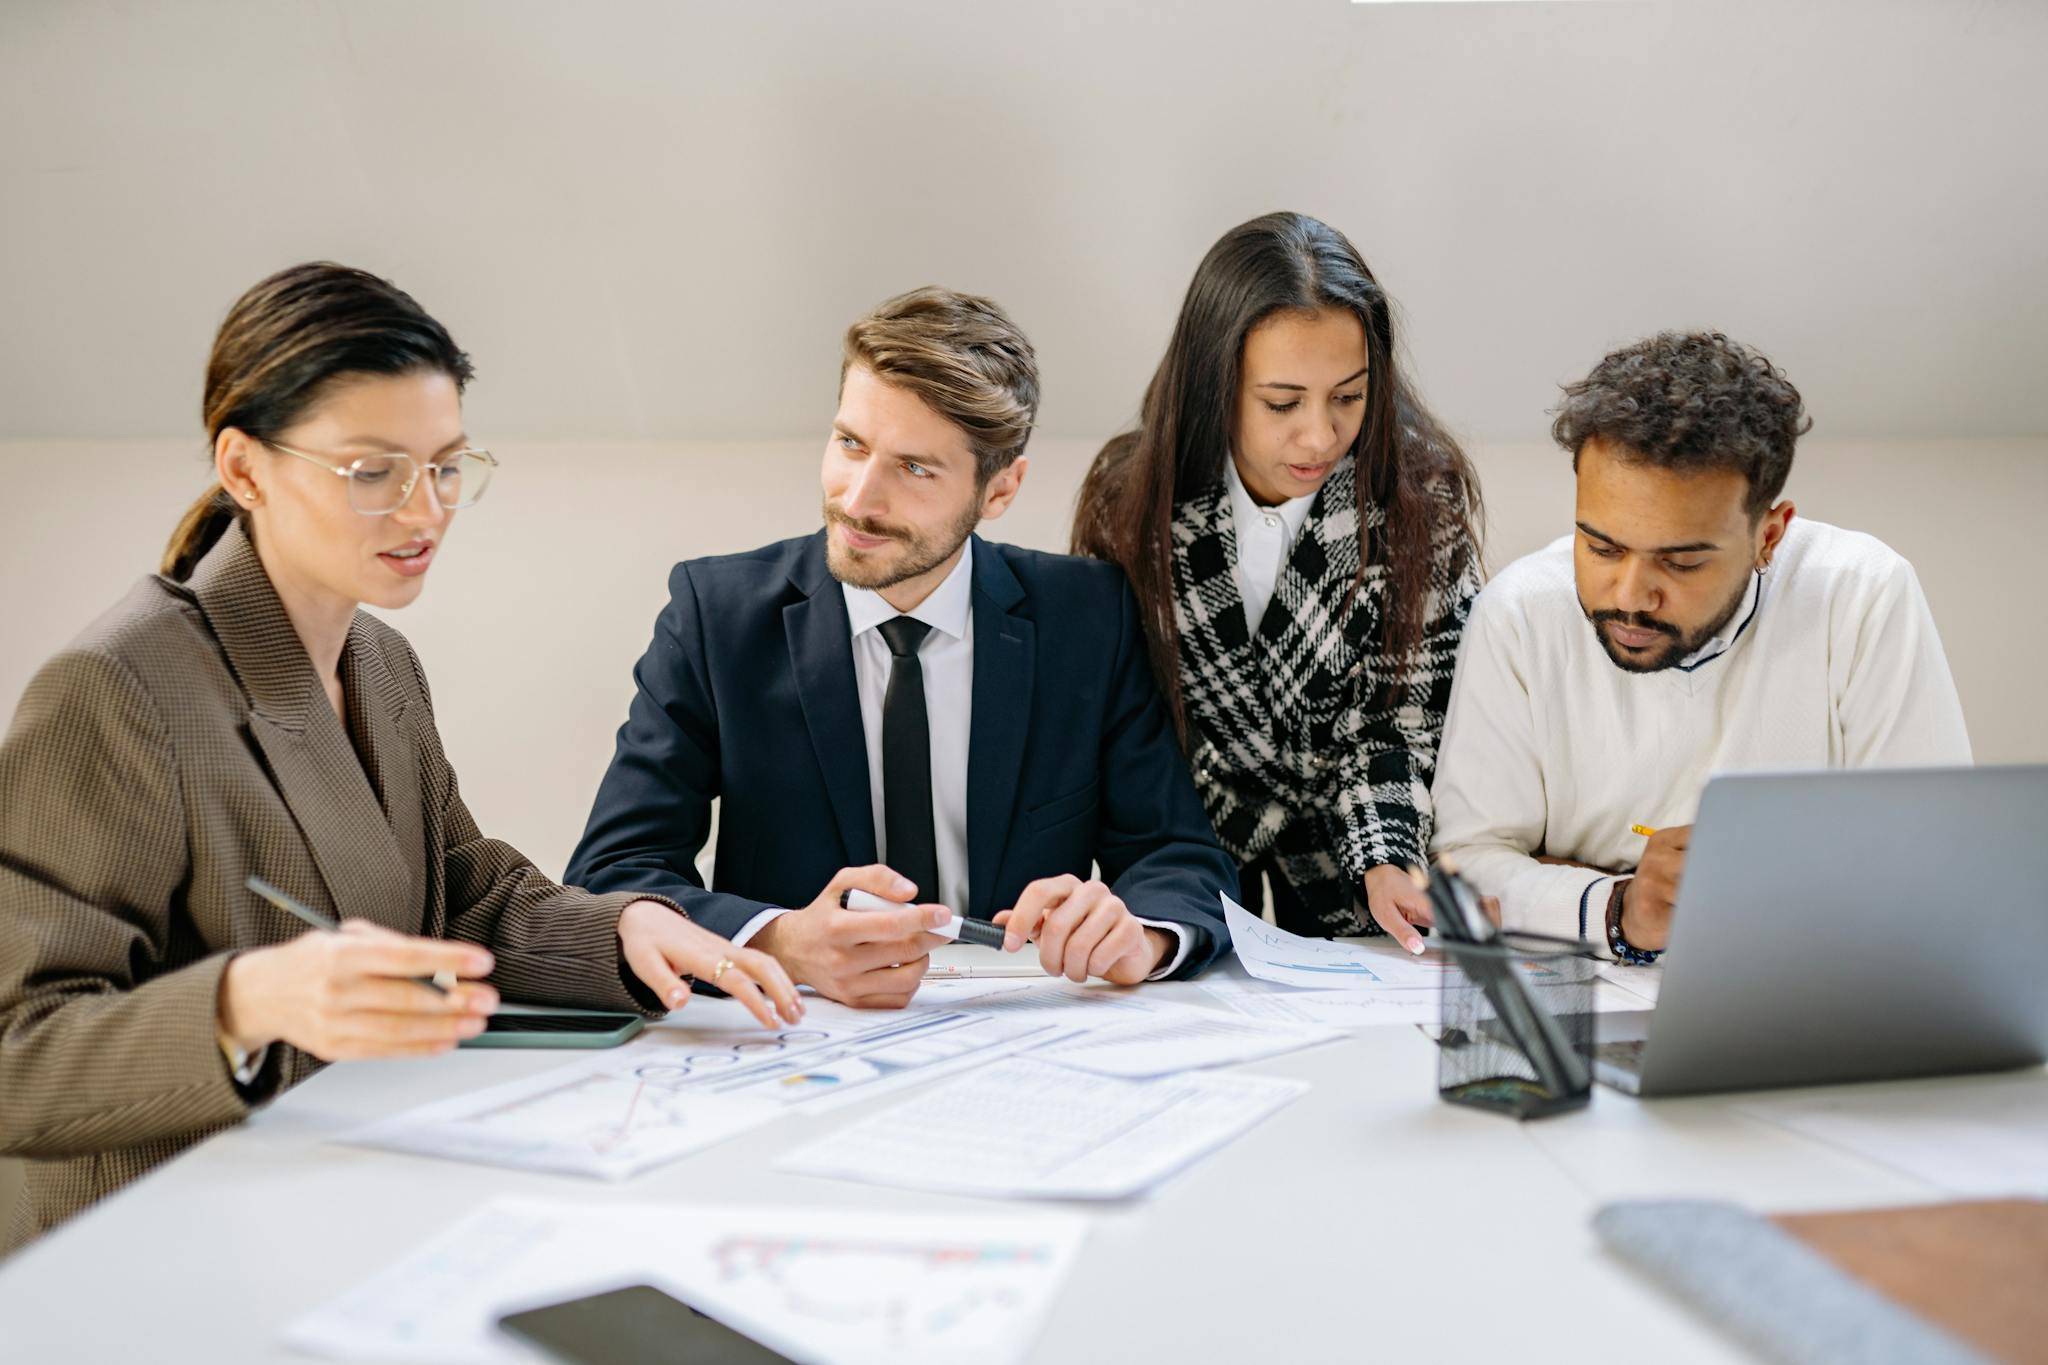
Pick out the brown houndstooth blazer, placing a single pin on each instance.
(179, 745)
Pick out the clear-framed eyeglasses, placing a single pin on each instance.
(379, 485)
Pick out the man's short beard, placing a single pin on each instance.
(921, 554)
(1682, 646)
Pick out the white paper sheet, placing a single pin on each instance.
(676, 1090)
(1349, 1010)
(1273, 954)
(611, 1124)
(1640, 983)
(1976, 1136)
(1181, 1040)
(1024, 1128)
(835, 1288)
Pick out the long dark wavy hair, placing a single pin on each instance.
(1407, 464)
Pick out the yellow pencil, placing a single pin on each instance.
(1643, 830)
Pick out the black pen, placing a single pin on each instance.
(961, 928)
(439, 981)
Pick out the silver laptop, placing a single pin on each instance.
(1849, 926)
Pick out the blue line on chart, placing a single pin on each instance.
(1347, 969)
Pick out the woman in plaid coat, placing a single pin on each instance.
(1302, 537)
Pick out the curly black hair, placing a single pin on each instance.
(1690, 401)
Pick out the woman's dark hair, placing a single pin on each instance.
(1689, 401)
(282, 347)
(1406, 462)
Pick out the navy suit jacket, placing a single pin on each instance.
(747, 694)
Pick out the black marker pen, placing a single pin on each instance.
(960, 928)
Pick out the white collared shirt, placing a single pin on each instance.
(947, 657)
(1265, 536)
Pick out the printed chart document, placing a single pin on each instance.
(1181, 1039)
(1025, 1128)
(1272, 954)
(1347, 1010)
(1983, 1137)
(833, 1288)
(674, 1091)
(610, 1123)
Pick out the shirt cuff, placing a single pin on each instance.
(1182, 935)
(756, 925)
(1593, 911)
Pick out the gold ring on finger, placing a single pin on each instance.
(719, 970)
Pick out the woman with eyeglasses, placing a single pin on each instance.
(237, 715)
(1301, 534)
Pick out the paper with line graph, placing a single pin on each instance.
(675, 1091)
(608, 1123)
(1272, 954)
(830, 1288)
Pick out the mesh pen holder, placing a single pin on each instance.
(1480, 1059)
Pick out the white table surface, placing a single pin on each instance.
(1355, 1224)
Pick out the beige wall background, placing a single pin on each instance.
(574, 544)
(650, 219)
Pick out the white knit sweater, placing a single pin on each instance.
(1550, 748)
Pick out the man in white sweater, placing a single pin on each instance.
(1689, 625)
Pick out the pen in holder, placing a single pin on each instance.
(1517, 1011)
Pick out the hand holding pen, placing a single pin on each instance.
(1649, 895)
(354, 991)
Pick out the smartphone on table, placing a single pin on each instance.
(637, 1325)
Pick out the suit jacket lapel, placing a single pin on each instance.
(1005, 655)
(304, 746)
(821, 660)
(383, 725)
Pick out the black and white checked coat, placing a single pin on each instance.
(180, 744)
(1296, 746)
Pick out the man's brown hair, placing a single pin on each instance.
(963, 356)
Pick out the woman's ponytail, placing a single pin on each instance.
(202, 526)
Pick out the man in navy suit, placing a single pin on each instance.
(896, 706)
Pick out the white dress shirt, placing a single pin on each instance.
(1832, 661)
(1265, 536)
(946, 655)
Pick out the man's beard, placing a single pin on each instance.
(1682, 645)
(920, 554)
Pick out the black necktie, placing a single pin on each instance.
(907, 761)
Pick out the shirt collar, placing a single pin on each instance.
(1725, 640)
(1293, 513)
(948, 608)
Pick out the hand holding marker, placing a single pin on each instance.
(958, 929)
